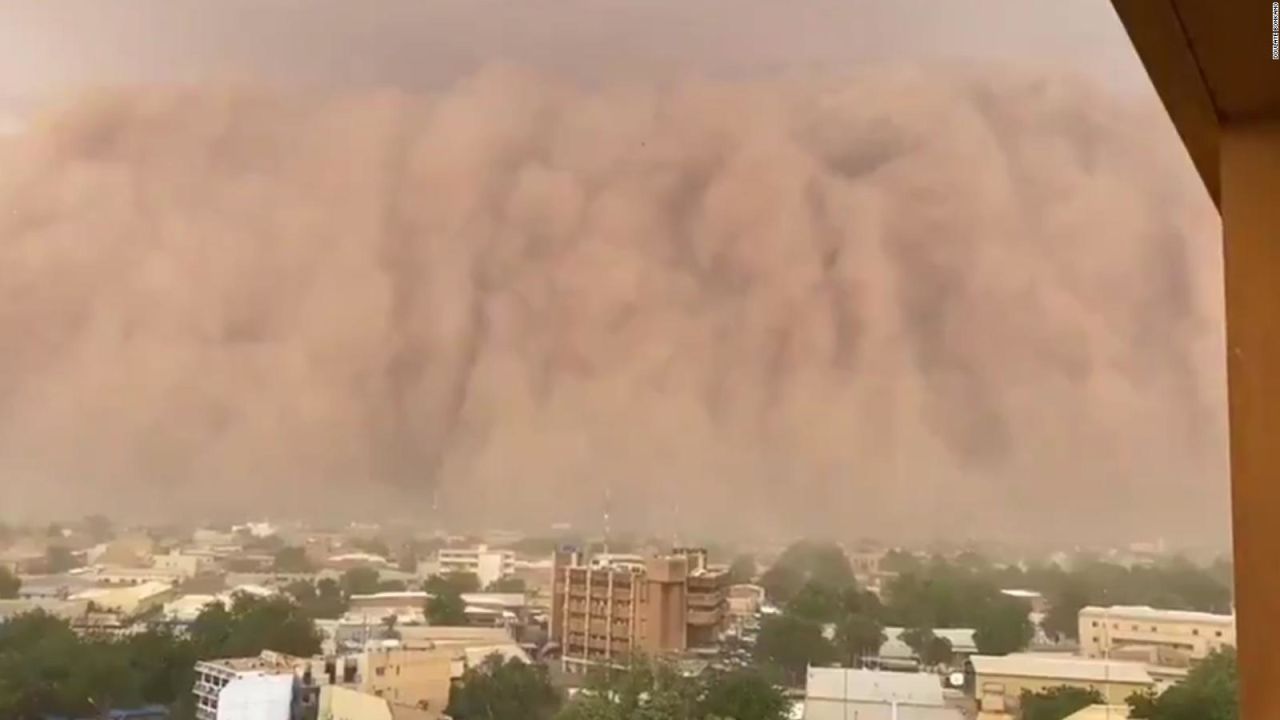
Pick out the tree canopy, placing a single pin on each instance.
(655, 691)
(292, 559)
(9, 584)
(1056, 703)
(498, 690)
(1210, 692)
(804, 562)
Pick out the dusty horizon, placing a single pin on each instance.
(912, 300)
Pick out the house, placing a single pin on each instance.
(838, 693)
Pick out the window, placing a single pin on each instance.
(1135, 628)
(1195, 631)
(1153, 629)
(380, 671)
(1095, 623)
(1115, 626)
(1217, 633)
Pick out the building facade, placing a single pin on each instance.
(999, 681)
(1174, 637)
(487, 565)
(260, 688)
(605, 615)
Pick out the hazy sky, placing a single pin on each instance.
(48, 46)
(904, 268)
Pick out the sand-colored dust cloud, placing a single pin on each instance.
(897, 301)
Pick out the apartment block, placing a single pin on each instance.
(605, 614)
(1171, 637)
(255, 688)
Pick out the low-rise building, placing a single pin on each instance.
(63, 609)
(486, 564)
(256, 688)
(343, 703)
(1182, 637)
(184, 565)
(129, 600)
(999, 681)
(838, 693)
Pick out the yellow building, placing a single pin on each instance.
(1000, 681)
(405, 676)
(340, 703)
(1163, 637)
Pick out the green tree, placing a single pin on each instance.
(359, 581)
(817, 601)
(98, 528)
(292, 559)
(792, 644)
(1062, 619)
(858, 637)
(742, 569)
(9, 584)
(745, 694)
(1057, 703)
(1210, 692)
(254, 624)
(1004, 627)
(320, 600)
(804, 562)
(445, 606)
(929, 647)
(498, 690)
(58, 559)
(373, 546)
(507, 585)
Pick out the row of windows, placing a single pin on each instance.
(1154, 628)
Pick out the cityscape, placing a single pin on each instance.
(639, 359)
(365, 622)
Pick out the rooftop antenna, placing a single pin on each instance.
(608, 499)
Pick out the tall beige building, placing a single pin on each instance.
(1173, 637)
(605, 614)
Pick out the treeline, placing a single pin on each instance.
(826, 617)
(511, 690)
(47, 669)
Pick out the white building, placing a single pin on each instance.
(258, 688)
(183, 564)
(838, 693)
(1173, 637)
(487, 565)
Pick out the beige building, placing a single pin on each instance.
(414, 677)
(605, 614)
(1100, 712)
(1175, 638)
(999, 681)
(341, 703)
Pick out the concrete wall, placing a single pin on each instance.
(1009, 688)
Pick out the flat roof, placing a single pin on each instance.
(1061, 667)
(846, 685)
(1143, 612)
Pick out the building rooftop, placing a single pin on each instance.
(268, 662)
(1061, 667)
(845, 685)
(1146, 613)
(1143, 612)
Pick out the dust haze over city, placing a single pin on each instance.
(888, 269)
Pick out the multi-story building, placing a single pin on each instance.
(1173, 637)
(998, 682)
(256, 688)
(604, 614)
(487, 565)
